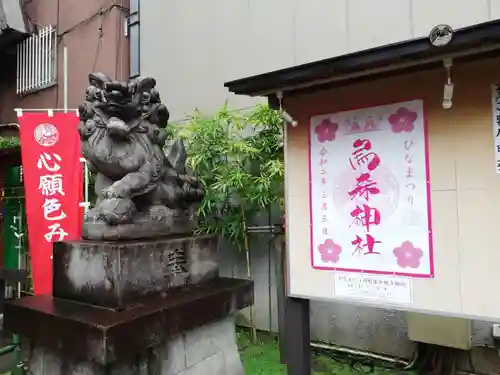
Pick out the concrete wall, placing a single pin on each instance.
(193, 46)
(79, 29)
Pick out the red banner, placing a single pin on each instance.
(50, 148)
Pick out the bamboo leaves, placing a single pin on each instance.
(238, 157)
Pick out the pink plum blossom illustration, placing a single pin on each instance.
(330, 251)
(403, 120)
(408, 255)
(326, 131)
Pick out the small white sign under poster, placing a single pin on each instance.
(374, 288)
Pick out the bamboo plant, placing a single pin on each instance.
(238, 157)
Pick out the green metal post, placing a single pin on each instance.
(13, 221)
(12, 216)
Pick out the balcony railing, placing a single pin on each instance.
(37, 61)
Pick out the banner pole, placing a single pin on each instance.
(86, 186)
(65, 77)
(65, 105)
(20, 111)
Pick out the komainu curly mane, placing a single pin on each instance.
(139, 189)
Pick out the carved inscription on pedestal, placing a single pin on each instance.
(176, 261)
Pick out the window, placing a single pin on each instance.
(36, 61)
(133, 32)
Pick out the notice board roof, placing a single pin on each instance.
(473, 42)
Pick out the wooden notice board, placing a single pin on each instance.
(464, 193)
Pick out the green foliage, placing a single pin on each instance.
(238, 157)
(263, 358)
(9, 142)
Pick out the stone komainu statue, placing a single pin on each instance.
(141, 192)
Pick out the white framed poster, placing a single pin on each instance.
(370, 191)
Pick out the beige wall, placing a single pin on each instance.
(193, 46)
(464, 186)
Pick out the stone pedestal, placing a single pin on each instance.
(120, 274)
(208, 350)
(122, 308)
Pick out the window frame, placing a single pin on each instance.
(37, 61)
(132, 21)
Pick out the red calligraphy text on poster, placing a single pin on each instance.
(365, 187)
(50, 147)
(365, 215)
(363, 156)
(369, 244)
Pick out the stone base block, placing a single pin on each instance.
(210, 349)
(160, 222)
(207, 350)
(121, 274)
(114, 338)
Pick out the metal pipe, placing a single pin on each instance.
(24, 62)
(29, 62)
(65, 79)
(44, 110)
(43, 58)
(32, 62)
(261, 227)
(273, 229)
(48, 56)
(8, 349)
(18, 370)
(51, 58)
(363, 353)
(38, 52)
(18, 68)
(86, 185)
(283, 275)
(20, 238)
(279, 262)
